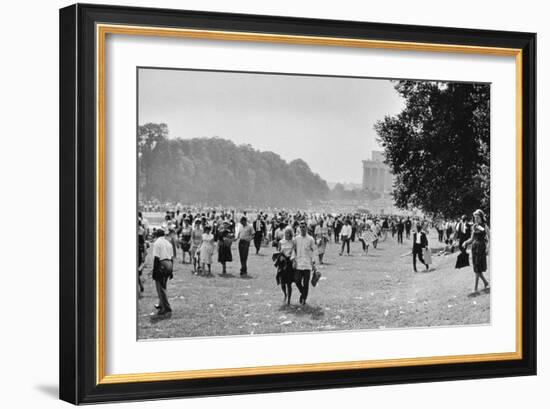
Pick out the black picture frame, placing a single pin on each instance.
(78, 194)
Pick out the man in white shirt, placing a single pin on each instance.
(162, 270)
(304, 256)
(345, 235)
(245, 234)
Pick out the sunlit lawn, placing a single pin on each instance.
(356, 292)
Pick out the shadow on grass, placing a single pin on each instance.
(157, 318)
(479, 293)
(226, 275)
(315, 313)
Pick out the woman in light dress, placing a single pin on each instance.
(321, 239)
(207, 250)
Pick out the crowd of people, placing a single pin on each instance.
(300, 237)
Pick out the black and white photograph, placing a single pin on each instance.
(282, 203)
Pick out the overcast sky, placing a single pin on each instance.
(326, 121)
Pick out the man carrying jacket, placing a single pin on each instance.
(420, 242)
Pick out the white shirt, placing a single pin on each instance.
(305, 251)
(418, 237)
(163, 249)
(346, 230)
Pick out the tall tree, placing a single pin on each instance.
(438, 147)
(150, 136)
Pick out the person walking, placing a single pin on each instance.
(207, 250)
(408, 227)
(321, 237)
(286, 248)
(225, 240)
(196, 240)
(245, 235)
(400, 228)
(185, 240)
(385, 228)
(367, 237)
(376, 230)
(162, 271)
(345, 236)
(448, 232)
(420, 242)
(479, 241)
(439, 226)
(259, 232)
(463, 231)
(304, 256)
(337, 229)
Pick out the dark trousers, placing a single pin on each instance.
(448, 234)
(440, 236)
(345, 242)
(258, 240)
(461, 241)
(164, 305)
(302, 282)
(244, 246)
(408, 233)
(417, 251)
(400, 237)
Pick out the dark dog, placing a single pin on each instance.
(285, 274)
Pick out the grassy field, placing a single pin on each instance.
(355, 292)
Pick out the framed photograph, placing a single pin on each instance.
(257, 203)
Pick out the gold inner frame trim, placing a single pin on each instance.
(101, 33)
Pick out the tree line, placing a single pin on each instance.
(216, 171)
